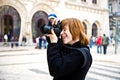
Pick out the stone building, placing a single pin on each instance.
(23, 17)
(114, 17)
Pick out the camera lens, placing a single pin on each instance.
(47, 29)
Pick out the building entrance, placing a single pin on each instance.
(94, 30)
(7, 26)
(10, 23)
(39, 19)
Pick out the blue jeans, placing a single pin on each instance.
(99, 49)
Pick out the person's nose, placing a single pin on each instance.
(61, 32)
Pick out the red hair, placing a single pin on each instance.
(76, 29)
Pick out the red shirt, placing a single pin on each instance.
(99, 40)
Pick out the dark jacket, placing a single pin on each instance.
(65, 63)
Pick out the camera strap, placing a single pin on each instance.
(84, 51)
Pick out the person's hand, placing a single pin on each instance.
(52, 36)
(55, 21)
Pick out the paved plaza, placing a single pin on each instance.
(28, 63)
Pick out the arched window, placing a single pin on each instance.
(39, 19)
(10, 22)
(83, 0)
(94, 1)
(85, 27)
(94, 30)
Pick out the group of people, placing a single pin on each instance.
(41, 42)
(100, 42)
(12, 41)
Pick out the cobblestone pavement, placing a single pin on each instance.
(27, 63)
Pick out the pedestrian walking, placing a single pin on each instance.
(99, 44)
(5, 39)
(65, 61)
(44, 42)
(9, 36)
(37, 42)
(94, 39)
(105, 43)
(24, 40)
(40, 42)
(12, 42)
(91, 42)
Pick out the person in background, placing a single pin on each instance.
(40, 42)
(94, 39)
(44, 42)
(99, 44)
(65, 63)
(37, 42)
(12, 42)
(24, 40)
(9, 36)
(113, 41)
(5, 39)
(16, 41)
(91, 42)
(105, 43)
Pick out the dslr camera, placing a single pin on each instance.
(46, 28)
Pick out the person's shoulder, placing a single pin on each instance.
(84, 48)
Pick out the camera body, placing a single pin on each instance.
(46, 29)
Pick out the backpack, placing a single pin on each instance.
(105, 41)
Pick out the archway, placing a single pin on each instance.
(10, 22)
(94, 30)
(39, 19)
(85, 27)
(7, 26)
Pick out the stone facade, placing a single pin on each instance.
(95, 17)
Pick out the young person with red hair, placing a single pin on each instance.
(65, 62)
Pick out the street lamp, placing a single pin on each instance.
(115, 23)
(116, 38)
